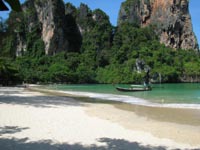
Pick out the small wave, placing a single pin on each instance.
(112, 97)
(185, 106)
(131, 100)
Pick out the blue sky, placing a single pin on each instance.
(195, 15)
(111, 7)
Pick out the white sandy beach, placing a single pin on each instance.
(35, 121)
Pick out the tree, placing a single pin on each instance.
(14, 4)
(8, 72)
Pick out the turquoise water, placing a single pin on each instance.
(161, 93)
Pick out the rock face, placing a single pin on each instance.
(84, 16)
(95, 28)
(21, 40)
(170, 18)
(57, 28)
(52, 25)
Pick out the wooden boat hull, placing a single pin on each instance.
(133, 89)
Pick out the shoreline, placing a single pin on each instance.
(175, 116)
(109, 98)
(156, 112)
(59, 118)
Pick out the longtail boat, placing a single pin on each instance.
(134, 89)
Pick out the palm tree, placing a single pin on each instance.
(14, 4)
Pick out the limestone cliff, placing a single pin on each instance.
(83, 18)
(170, 18)
(57, 29)
(95, 28)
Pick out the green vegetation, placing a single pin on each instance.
(8, 72)
(108, 54)
(130, 14)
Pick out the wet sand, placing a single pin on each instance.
(184, 116)
(175, 124)
(51, 120)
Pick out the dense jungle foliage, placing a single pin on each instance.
(108, 55)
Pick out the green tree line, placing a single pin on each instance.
(108, 54)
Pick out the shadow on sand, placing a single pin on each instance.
(14, 97)
(26, 144)
(110, 144)
(11, 130)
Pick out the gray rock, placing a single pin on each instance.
(170, 18)
(58, 28)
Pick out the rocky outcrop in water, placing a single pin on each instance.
(170, 18)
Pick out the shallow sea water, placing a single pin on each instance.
(169, 95)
